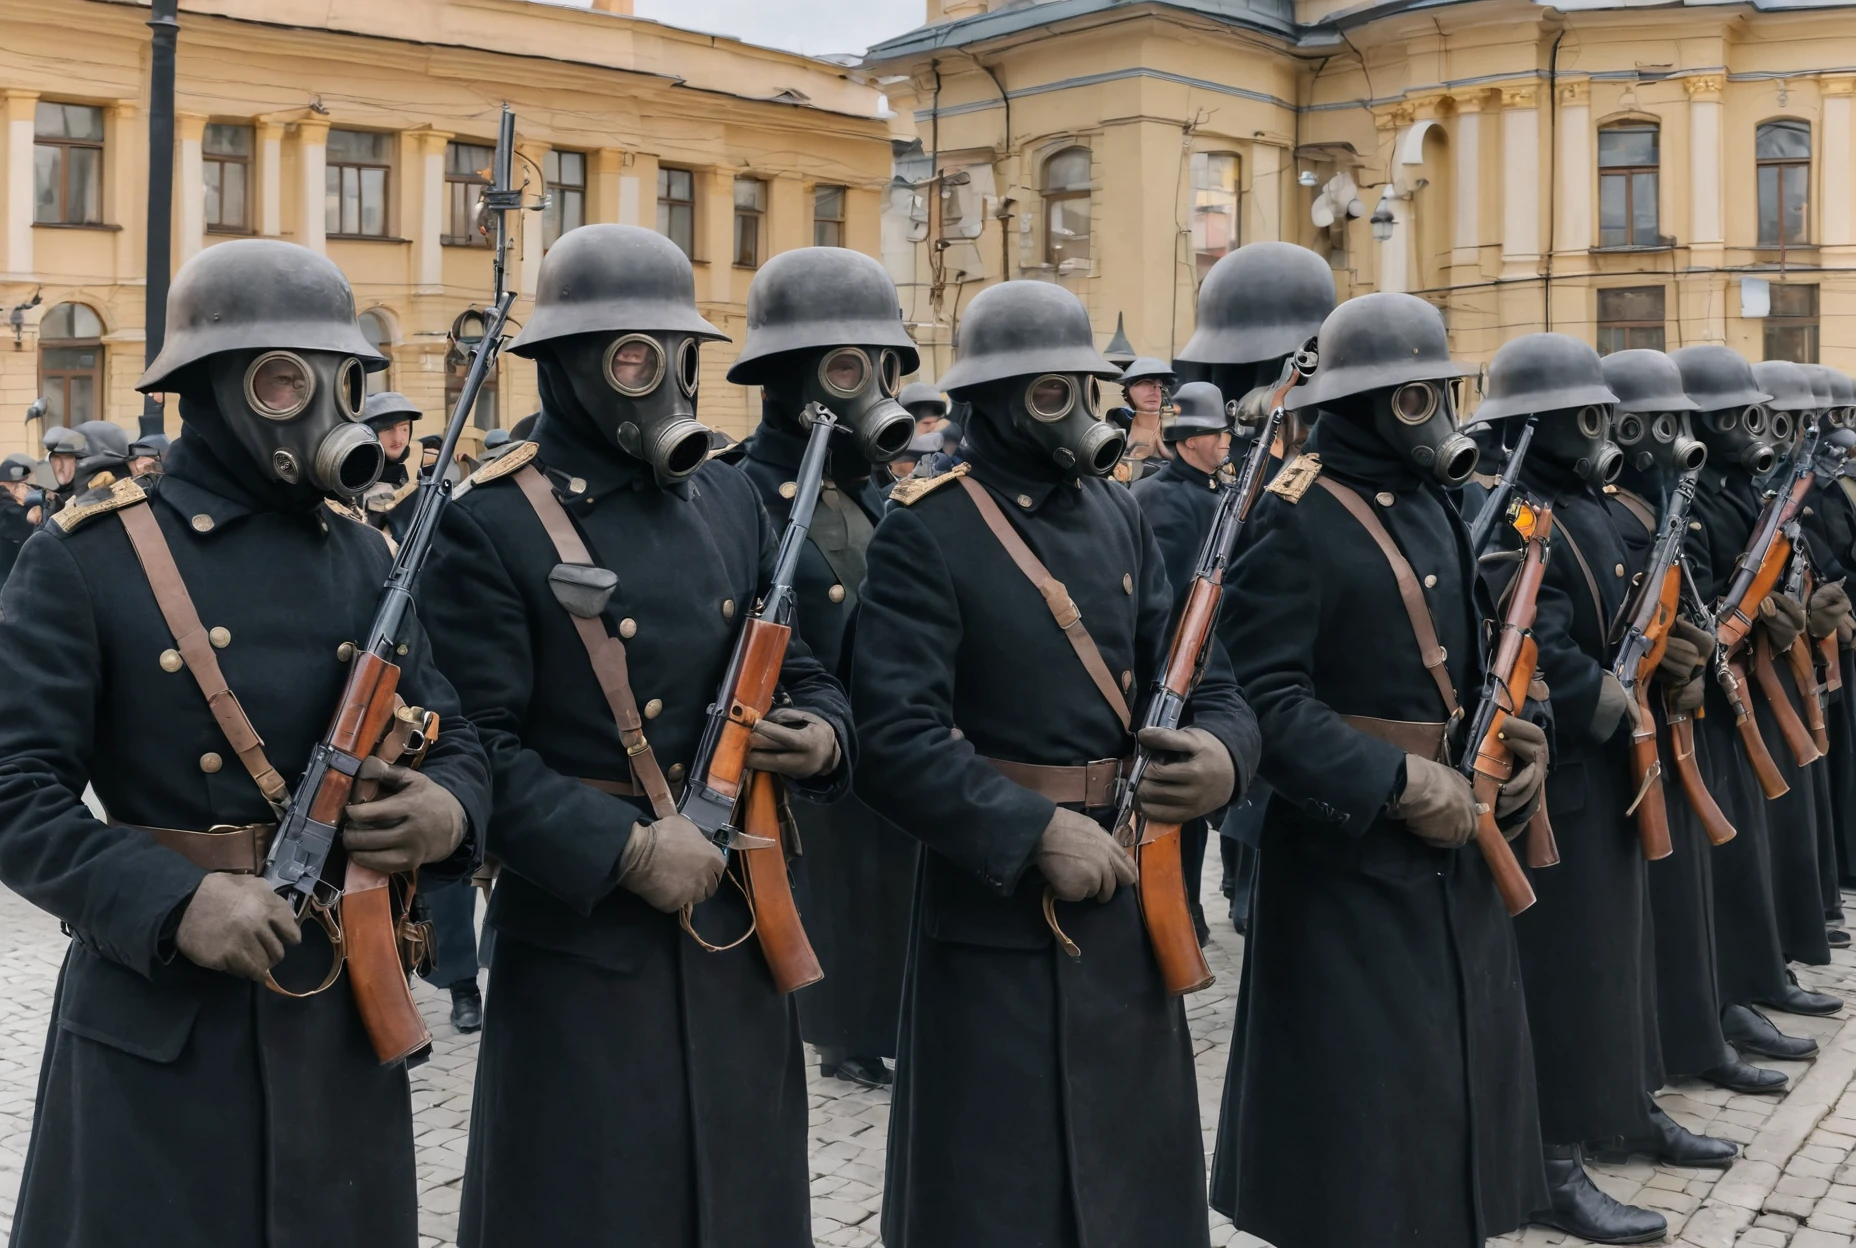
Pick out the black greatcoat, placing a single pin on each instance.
(156, 1071)
(1588, 956)
(1381, 985)
(857, 870)
(1829, 520)
(14, 530)
(1039, 1100)
(610, 1038)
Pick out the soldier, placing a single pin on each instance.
(1831, 522)
(1180, 502)
(390, 503)
(1144, 384)
(611, 1032)
(824, 327)
(1040, 1098)
(63, 448)
(20, 514)
(165, 1053)
(1381, 986)
(146, 454)
(106, 455)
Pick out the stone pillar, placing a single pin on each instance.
(270, 189)
(423, 172)
(312, 149)
(125, 187)
(604, 169)
(1266, 172)
(1520, 181)
(1838, 228)
(1704, 160)
(1572, 230)
(789, 214)
(638, 191)
(189, 186)
(715, 233)
(21, 109)
(1467, 150)
(532, 236)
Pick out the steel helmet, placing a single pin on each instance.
(1717, 377)
(1201, 410)
(1376, 342)
(1147, 368)
(919, 394)
(1787, 383)
(1022, 328)
(1646, 381)
(1259, 302)
(816, 297)
(610, 279)
(388, 408)
(1543, 373)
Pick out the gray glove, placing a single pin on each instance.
(1784, 619)
(412, 820)
(236, 924)
(793, 743)
(1190, 774)
(1615, 706)
(1686, 650)
(1528, 744)
(1436, 803)
(1830, 606)
(1080, 860)
(1688, 696)
(670, 864)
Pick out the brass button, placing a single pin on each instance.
(1127, 679)
(1619, 569)
(1694, 526)
(170, 661)
(576, 485)
(1430, 582)
(1127, 582)
(345, 651)
(1384, 498)
(210, 762)
(220, 636)
(628, 628)
(675, 772)
(728, 608)
(1024, 500)
(401, 649)
(653, 708)
(788, 489)
(835, 593)
(1443, 655)
(1807, 511)
(202, 523)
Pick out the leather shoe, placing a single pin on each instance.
(865, 1072)
(1838, 938)
(1796, 1000)
(1579, 1208)
(1672, 1143)
(466, 1008)
(1738, 1075)
(1752, 1032)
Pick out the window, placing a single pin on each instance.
(1630, 317)
(70, 364)
(566, 174)
(467, 172)
(1066, 202)
(374, 328)
(227, 166)
(355, 182)
(457, 367)
(1214, 207)
(1627, 167)
(1782, 150)
(67, 165)
(750, 213)
(828, 216)
(676, 208)
(1791, 326)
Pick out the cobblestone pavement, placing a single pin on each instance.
(1795, 1185)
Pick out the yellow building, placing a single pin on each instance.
(363, 129)
(1635, 175)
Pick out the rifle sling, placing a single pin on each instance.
(1564, 532)
(1062, 608)
(604, 651)
(1416, 609)
(196, 649)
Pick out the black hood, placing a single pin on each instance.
(211, 456)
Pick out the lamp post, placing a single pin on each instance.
(166, 29)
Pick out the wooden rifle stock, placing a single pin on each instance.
(1832, 660)
(1734, 685)
(783, 940)
(763, 650)
(1804, 675)
(1647, 766)
(1784, 714)
(1714, 820)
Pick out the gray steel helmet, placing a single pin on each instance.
(1823, 389)
(1201, 410)
(1022, 328)
(919, 394)
(389, 408)
(1717, 377)
(602, 279)
(816, 297)
(1376, 342)
(1646, 381)
(103, 439)
(1146, 367)
(17, 467)
(61, 440)
(495, 438)
(1543, 373)
(1842, 388)
(1787, 383)
(257, 294)
(1259, 302)
(155, 444)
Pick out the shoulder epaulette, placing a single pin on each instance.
(729, 452)
(112, 497)
(1296, 479)
(911, 490)
(517, 455)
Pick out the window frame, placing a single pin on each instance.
(96, 372)
(1810, 324)
(382, 381)
(1628, 175)
(1780, 164)
(221, 159)
(1200, 263)
(836, 223)
(668, 207)
(457, 366)
(1632, 332)
(753, 215)
(63, 147)
(471, 237)
(1069, 193)
(552, 218)
(386, 188)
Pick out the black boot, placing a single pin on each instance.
(1796, 1000)
(865, 1072)
(1580, 1208)
(466, 1007)
(1674, 1144)
(1752, 1032)
(1738, 1075)
(1838, 938)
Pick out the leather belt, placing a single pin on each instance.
(1092, 784)
(1426, 740)
(240, 850)
(625, 788)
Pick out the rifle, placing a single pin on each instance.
(371, 719)
(1731, 677)
(1496, 505)
(1487, 762)
(720, 785)
(1802, 656)
(1161, 886)
(1658, 595)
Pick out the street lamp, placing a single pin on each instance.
(1382, 220)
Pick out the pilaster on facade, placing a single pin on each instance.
(1704, 163)
(1466, 147)
(638, 190)
(1521, 189)
(534, 154)
(16, 262)
(124, 189)
(270, 139)
(189, 185)
(312, 155)
(789, 213)
(715, 234)
(1839, 95)
(1572, 226)
(422, 156)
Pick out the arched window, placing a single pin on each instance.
(1629, 156)
(1066, 200)
(466, 333)
(71, 364)
(1215, 229)
(1782, 151)
(379, 334)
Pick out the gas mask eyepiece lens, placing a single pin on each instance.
(889, 373)
(1755, 420)
(1414, 402)
(1663, 428)
(689, 367)
(279, 385)
(351, 388)
(1592, 422)
(845, 372)
(1781, 427)
(1050, 398)
(1630, 430)
(1726, 422)
(635, 365)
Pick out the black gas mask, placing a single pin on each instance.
(298, 415)
(1658, 441)
(1058, 414)
(1737, 435)
(1579, 438)
(640, 390)
(859, 385)
(1418, 420)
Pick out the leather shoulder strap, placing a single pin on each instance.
(1419, 612)
(603, 650)
(1062, 608)
(195, 647)
(1637, 506)
(1563, 533)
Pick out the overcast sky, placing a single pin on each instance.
(814, 27)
